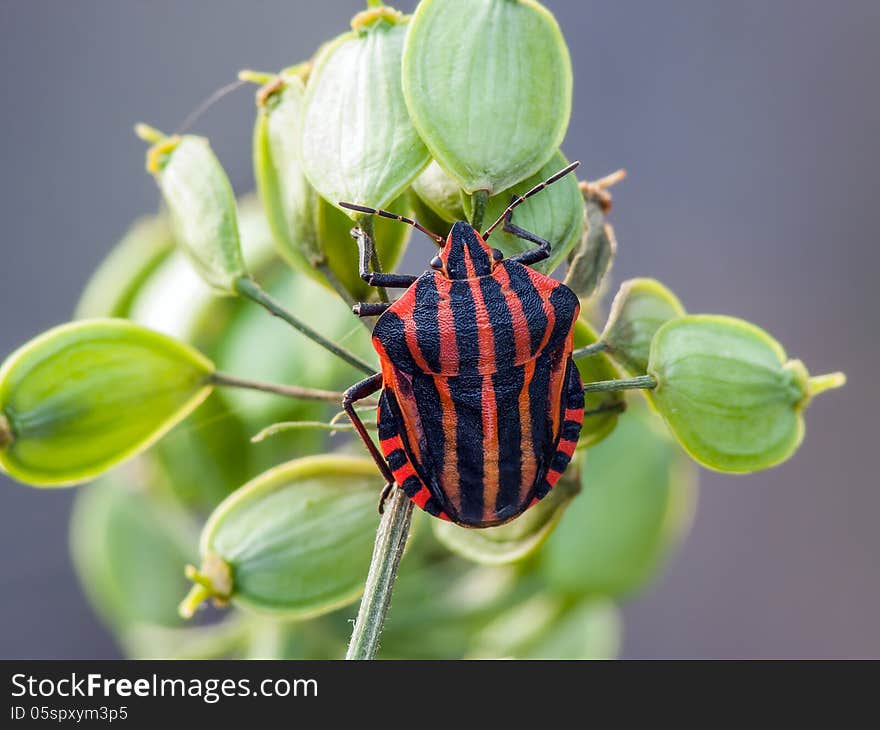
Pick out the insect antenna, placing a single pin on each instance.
(393, 216)
(525, 196)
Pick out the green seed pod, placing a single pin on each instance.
(488, 84)
(129, 548)
(639, 309)
(609, 404)
(85, 396)
(590, 262)
(202, 206)
(226, 639)
(542, 625)
(294, 542)
(114, 285)
(358, 143)
(728, 393)
(428, 218)
(440, 193)
(637, 499)
(515, 540)
(288, 198)
(557, 214)
(590, 629)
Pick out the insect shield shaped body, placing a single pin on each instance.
(481, 404)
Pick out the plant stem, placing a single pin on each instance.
(390, 543)
(642, 382)
(480, 199)
(289, 391)
(249, 289)
(593, 349)
(285, 426)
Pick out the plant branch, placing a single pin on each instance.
(289, 391)
(249, 289)
(593, 349)
(390, 543)
(642, 382)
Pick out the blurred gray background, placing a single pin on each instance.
(751, 131)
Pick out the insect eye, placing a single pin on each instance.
(436, 263)
(497, 255)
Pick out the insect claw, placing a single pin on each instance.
(383, 497)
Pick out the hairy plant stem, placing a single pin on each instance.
(289, 391)
(390, 543)
(642, 382)
(249, 289)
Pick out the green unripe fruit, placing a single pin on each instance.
(85, 396)
(288, 198)
(115, 284)
(609, 404)
(294, 542)
(636, 503)
(201, 203)
(515, 540)
(129, 547)
(358, 144)
(728, 392)
(488, 84)
(557, 214)
(440, 193)
(590, 261)
(639, 309)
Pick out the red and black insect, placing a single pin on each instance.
(481, 403)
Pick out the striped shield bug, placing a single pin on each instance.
(481, 403)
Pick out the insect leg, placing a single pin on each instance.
(370, 309)
(357, 392)
(365, 256)
(527, 258)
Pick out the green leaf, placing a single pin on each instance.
(557, 214)
(639, 309)
(202, 207)
(114, 285)
(83, 397)
(294, 542)
(488, 84)
(728, 393)
(637, 499)
(515, 540)
(594, 369)
(129, 548)
(358, 143)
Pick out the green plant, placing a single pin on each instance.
(170, 372)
